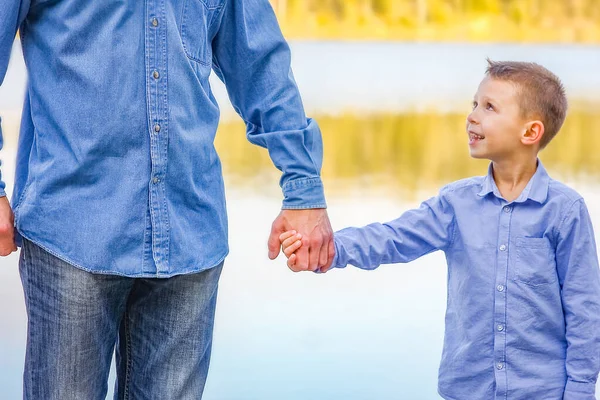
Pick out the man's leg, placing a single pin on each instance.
(165, 338)
(73, 320)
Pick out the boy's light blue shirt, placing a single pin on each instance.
(116, 168)
(523, 311)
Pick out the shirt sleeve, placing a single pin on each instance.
(415, 233)
(579, 277)
(12, 15)
(252, 58)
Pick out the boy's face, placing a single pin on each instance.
(495, 126)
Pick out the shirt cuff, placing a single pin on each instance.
(304, 193)
(336, 257)
(579, 390)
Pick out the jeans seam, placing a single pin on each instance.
(128, 357)
(29, 387)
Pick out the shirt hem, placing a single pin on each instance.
(445, 396)
(108, 272)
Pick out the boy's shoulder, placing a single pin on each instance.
(472, 183)
(561, 192)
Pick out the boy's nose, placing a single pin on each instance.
(471, 118)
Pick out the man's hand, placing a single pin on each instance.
(7, 232)
(313, 225)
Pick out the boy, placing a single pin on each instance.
(523, 311)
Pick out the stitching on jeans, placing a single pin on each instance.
(128, 356)
(29, 389)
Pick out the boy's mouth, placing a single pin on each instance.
(474, 137)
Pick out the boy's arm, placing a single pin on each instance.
(579, 277)
(414, 234)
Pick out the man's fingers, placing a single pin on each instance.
(330, 256)
(323, 254)
(7, 238)
(314, 253)
(302, 256)
(331, 252)
(274, 242)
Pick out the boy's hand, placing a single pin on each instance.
(290, 242)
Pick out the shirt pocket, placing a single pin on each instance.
(196, 22)
(535, 262)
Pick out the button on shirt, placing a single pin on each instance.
(523, 312)
(116, 168)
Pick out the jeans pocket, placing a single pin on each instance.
(196, 23)
(535, 261)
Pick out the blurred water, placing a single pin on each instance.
(336, 77)
(348, 334)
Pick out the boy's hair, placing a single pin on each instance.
(541, 93)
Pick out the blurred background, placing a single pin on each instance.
(390, 83)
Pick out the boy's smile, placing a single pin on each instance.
(474, 137)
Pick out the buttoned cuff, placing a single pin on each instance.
(580, 390)
(305, 193)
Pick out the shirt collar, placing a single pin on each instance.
(536, 189)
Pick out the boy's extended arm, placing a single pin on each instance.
(414, 234)
(579, 276)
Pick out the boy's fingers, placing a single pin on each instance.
(289, 250)
(291, 261)
(286, 235)
(290, 241)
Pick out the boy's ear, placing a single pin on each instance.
(534, 130)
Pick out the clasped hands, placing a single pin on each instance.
(306, 237)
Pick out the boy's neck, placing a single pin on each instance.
(512, 176)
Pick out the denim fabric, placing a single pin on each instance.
(116, 154)
(163, 328)
(523, 312)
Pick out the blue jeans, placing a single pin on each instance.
(161, 328)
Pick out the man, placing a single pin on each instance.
(118, 199)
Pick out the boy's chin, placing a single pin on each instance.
(479, 155)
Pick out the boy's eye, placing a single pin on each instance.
(489, 106)
(474, 105)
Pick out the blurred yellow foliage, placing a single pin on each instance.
(407, 152)
(445, 20)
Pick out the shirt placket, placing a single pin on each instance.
(501, 289)
(156, 93)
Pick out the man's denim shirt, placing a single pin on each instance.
(116, 168)
(523, 311)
